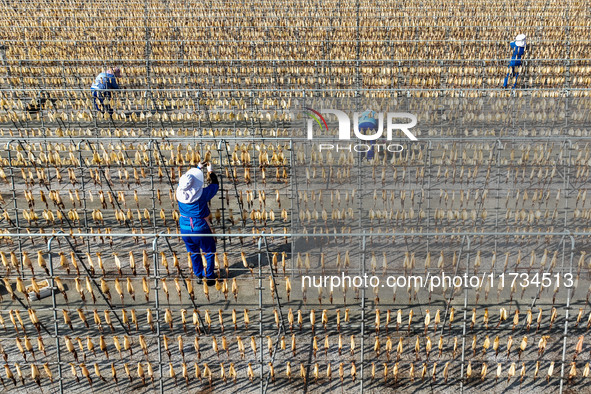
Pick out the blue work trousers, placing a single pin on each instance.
(99, 97)
(196, 245)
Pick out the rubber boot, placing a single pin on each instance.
(506, 80)
(515, 84)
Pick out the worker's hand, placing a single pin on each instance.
(209, 167)
(201, 165)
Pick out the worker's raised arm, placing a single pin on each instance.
(214, 178)
(210, 191)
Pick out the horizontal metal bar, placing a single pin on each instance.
(299, 89)
(385, 40)
(193, 14)
(280, 61)
(557, 138)
(281, 235)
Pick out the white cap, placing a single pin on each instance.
(520, 40)
(190, 186)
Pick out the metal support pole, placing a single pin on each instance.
(566, 315)
(429, 166)
(361, 381)
(55, 319)
(221, 179)
(281, 328)
(261, 353)
(157, 304)
(497, 197)
(153, 197)
(15, 203)
(465, 316)
(78, 148)
(451, 296)
(234, 181)
(293, 196)
(566, 168)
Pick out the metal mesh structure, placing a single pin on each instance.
(98, 292)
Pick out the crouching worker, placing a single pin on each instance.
(102, 88)
(193, 201)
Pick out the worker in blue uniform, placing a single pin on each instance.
(102, 88)
(518, 49)
(193, 200)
